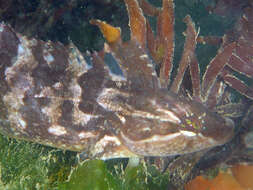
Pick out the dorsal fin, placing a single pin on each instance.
(134, 61)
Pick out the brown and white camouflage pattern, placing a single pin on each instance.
(54, 95)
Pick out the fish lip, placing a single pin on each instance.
(227, 131)
(231, 126)
(229, 122)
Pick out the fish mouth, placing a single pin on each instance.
(231, 126)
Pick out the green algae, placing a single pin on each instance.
(30, 166)
(26, 165)
(91, 175)
(95, 174)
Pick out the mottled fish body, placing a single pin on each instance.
(54, 95)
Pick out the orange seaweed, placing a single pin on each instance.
(110, 33)
(199, 183)
(244, 175)
(225, 181)
(137, 22)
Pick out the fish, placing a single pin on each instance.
(57, 96)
